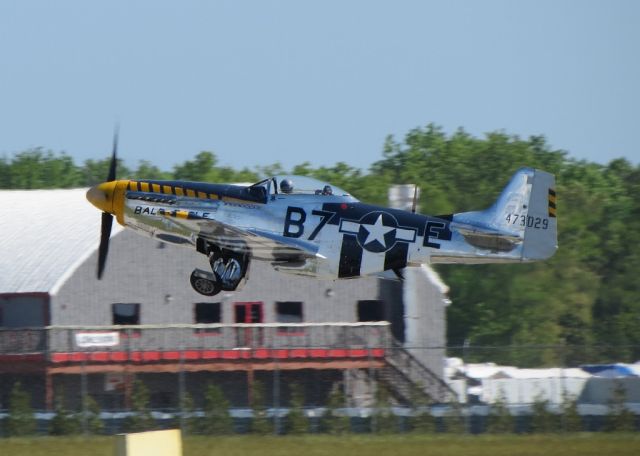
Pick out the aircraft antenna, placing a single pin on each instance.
(415, 198)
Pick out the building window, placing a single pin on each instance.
(289, 312)
(207, 313)
(126, 314)
(371, 310)
(23, 310)
(248, 312)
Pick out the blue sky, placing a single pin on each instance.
(259, 82)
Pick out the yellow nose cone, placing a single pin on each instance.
(101, 196)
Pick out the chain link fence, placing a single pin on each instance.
(289, 379)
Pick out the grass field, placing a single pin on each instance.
(396, 445)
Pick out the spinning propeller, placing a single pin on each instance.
(101, 196)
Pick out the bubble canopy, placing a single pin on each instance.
(292, 185)
(309, 186)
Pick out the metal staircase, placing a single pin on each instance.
(408, 379)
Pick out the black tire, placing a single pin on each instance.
(204, 286)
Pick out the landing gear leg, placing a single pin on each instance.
(228, 267)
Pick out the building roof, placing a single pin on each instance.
(483, 371)
(613, 370)
(551, 372)
(44, 236)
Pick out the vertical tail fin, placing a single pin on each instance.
(521, 225)
(527, 207)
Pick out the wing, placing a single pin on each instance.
(177, 220)
(260, 244)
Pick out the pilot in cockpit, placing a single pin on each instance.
(286, 186)
(327, 190)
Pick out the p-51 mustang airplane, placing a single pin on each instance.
(306, 227)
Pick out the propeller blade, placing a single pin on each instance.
(107, 219)
(105, 233)
(114, 157)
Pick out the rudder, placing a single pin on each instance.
(540, 236)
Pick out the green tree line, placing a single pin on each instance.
(586, 298)
(40, 169)
(583, 305)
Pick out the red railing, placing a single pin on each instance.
(177, 343)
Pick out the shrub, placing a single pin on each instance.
(217, 419)
(332, 421)
(64, 422)
(542, 420)
(21, 420)
(260, 423)
(189, 423)
(619, 418)
(422, 420)
(297, 422)
(92, 415)
(141, 419)
(383, 421)
(500, 419)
